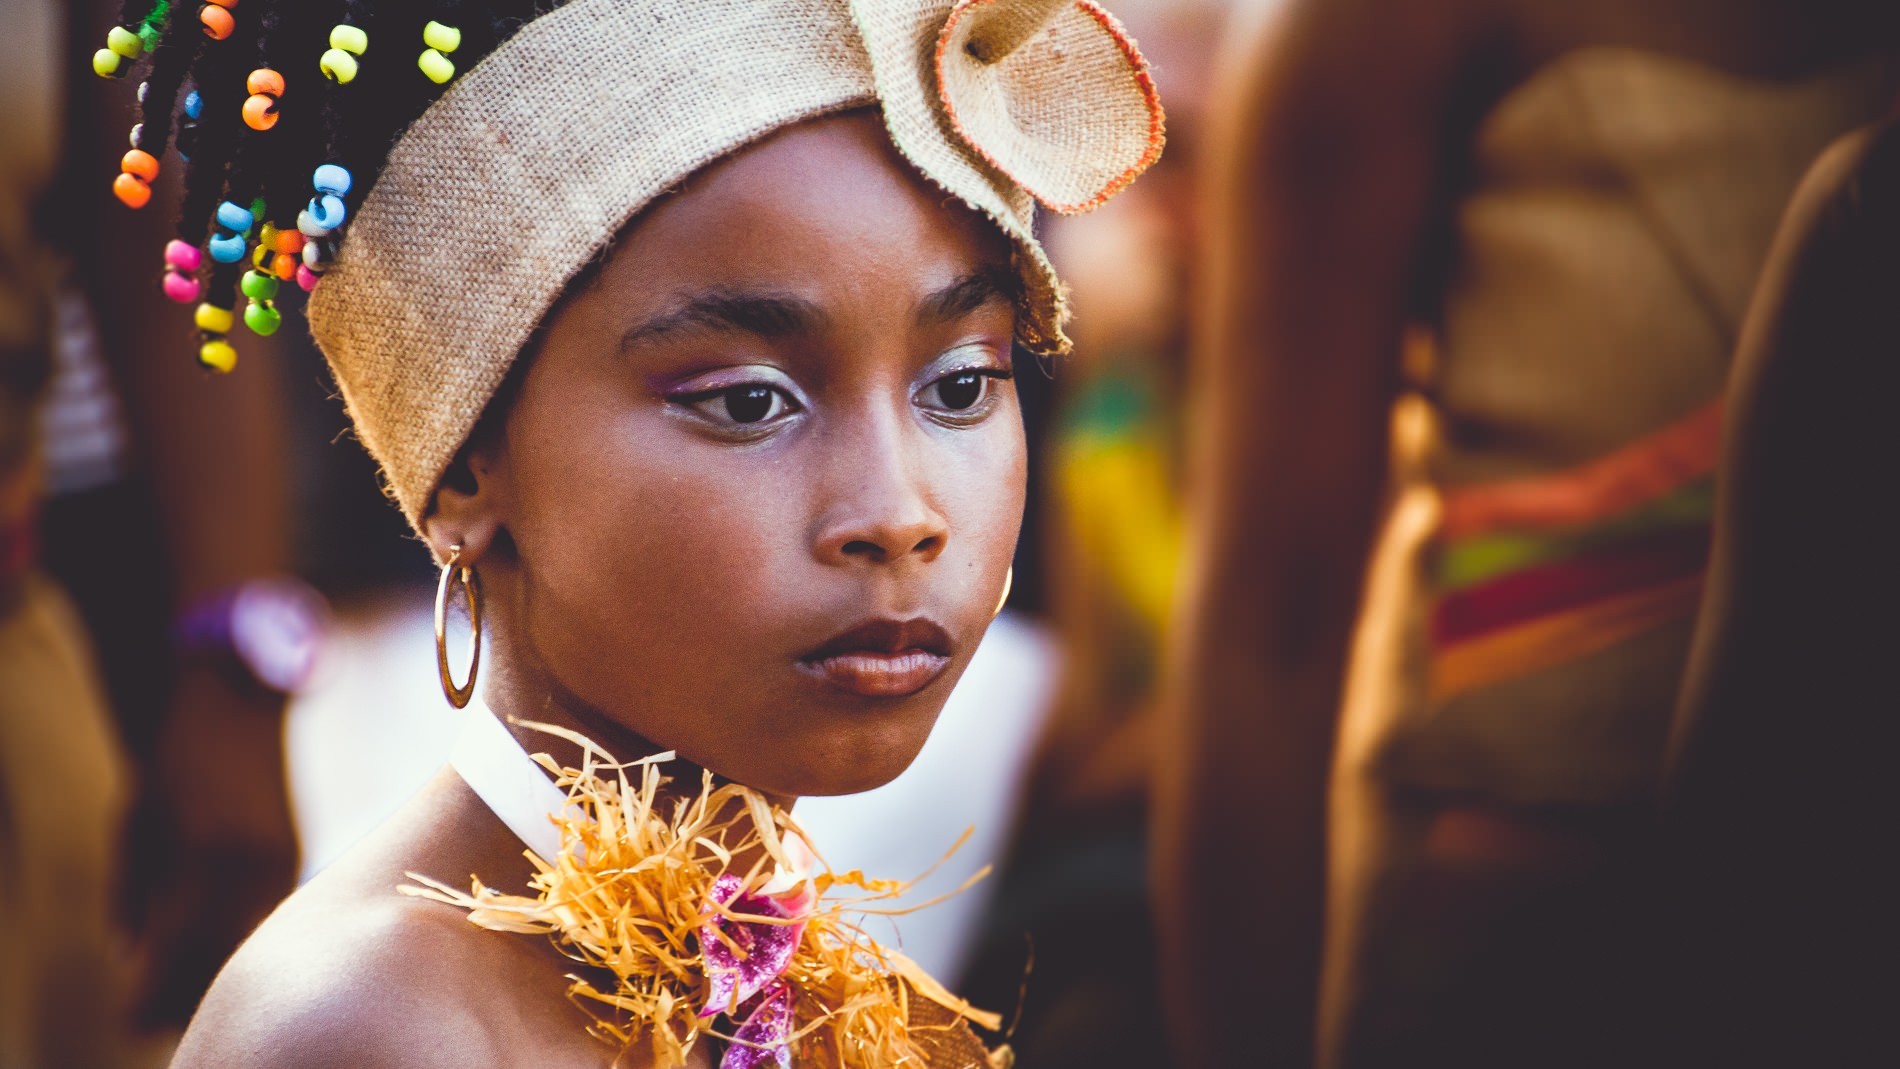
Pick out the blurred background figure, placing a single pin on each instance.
(144, 824)
(1779, 813)
(1475, 278)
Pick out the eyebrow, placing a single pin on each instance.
(778, 315)
(993, 282)
(768, 315)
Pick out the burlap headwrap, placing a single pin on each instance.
(534, 161)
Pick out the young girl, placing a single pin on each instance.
(683, 331)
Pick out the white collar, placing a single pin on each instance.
(500, 772)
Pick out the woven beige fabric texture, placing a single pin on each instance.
(535, 159)
(1009, 75)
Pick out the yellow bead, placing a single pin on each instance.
(217, 355)
(338, 66)
(210, 317)
(349, 39)
(106, 63)
(125, 42)
(441, 38)
(436, 66)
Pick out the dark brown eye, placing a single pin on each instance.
(751, 404)
(961, 391)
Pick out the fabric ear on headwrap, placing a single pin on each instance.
(1058, 80)
(1008, 73)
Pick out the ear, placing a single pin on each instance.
(467, 508)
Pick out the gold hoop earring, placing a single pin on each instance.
(1009, 580)
(472, 594)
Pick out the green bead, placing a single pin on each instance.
(148, 36)
(441, 38)
(436, 66)
(262, 318)
(349, 39)
(258, 286)
(125, 42)
(106, 63)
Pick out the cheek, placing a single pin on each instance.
(642, 554)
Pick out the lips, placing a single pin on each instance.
(882, 658)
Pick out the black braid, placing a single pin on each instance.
(173, 57)
(219, 81)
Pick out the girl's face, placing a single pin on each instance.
(758, 492)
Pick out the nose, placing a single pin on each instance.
(881, 509)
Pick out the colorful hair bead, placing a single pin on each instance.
(263, 318)
(187, 140)
(434, 61)
(213, 320)
(318, 254)
(134, 185)
(217, 355)
(216, 18)
(346, 44)
(306, 278)
(235, 217)
(226, 248)
(258, 286)
(326, 211)
(184, 256)
(260, 110)
(182, 288)
(122, 50)
(234, 223)
(182, 261)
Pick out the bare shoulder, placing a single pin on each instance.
(337, 980)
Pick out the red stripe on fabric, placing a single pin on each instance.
(1649, 468)
(1534, 592)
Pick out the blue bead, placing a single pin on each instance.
(194, 105)
(233, 218)
(226, 248)
(327, 211)
(329, 178)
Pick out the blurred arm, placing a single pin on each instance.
(1781, 792)
(1325, 187)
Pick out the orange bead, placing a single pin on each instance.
(217, 21)
(139, 162)
(260, 112)
(266, 81)
(284, 266)
(289, 241)
(131, 190)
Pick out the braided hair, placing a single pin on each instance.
(283, 114)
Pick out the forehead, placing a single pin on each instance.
(826, 209)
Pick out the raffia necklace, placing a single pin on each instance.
(644, 889)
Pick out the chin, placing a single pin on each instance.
(854, 760)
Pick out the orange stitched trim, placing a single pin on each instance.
(1554, 640)
(1640, 472)
(1157, 118)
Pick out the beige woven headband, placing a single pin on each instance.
(534, 160)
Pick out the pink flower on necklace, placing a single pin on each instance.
(745, 959)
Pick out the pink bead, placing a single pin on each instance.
(181, 288)
(184, 257)
(307, 278)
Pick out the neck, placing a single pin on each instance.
(519, 699)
